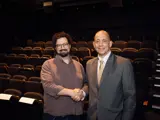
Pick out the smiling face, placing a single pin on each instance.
(63, 47)
(102, 43)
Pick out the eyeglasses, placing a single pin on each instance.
(62, 45)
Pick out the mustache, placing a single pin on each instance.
(63, 50)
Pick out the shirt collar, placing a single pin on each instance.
(105, 58)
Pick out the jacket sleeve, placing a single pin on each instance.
(48, 81)
(128, 91)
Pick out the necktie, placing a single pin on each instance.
(100, 71)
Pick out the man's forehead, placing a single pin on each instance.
(62, 39)
(101, 34)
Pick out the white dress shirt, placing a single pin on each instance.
(104, 59)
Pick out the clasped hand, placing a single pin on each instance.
(77, 94)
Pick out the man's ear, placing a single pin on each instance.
(110, 44)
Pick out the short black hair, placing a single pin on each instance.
(60, 35)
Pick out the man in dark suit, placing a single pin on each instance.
(111, 83)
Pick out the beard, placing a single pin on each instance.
(63, 53)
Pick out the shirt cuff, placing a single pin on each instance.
(84, 95)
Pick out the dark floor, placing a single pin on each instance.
(152, 116)
(147, 115)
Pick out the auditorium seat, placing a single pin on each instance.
(74, 51)
(116, 51)
(14, 92)
(81, 44)
(39, 44)
(16, 84)
(5, 75)
(37, 50)
(17, 50)
(48, 44)
(48, 51)
(34, 79)
(83, 51)
(85, 59)
(130, 53)
(20, 77)
(120, 44)
(33, 86)
(27, 50)
(134, 44)
(149, 44)
(31, 110)
(147, 53)
(4, 84)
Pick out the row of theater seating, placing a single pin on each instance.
(130, 53)
(20, 85)
(26, 70)
(35, 59)
(139, 64)
(118, 43)
(19, 59)
(81, 52)
(21, 77)
(12, 64)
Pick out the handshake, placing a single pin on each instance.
(77, 94)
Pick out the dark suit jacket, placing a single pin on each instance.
(115, 98)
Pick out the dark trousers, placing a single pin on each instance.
(67, 117)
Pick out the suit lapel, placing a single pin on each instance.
(108, 67)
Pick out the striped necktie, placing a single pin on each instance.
(100, 71)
